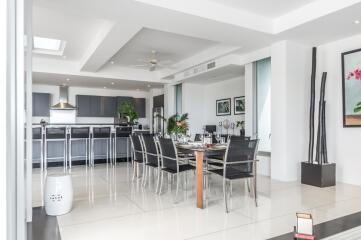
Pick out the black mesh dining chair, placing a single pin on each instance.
(171, 162)
(37, 133)
(138, 155)
(54, 135)
(101, 134)
(152, 157)
(121, 133)
(239, 163)
(79, 134)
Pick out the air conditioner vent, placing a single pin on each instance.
(211, 65)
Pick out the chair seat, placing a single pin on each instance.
(152, 164)
(232, 173)
(182, 168)
(138, 161)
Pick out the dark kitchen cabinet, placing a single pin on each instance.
(139, 104)
(41, 104)
(95, 106)
(108, 106)
(83, 105)
(158, 101)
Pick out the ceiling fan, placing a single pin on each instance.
(153, 62)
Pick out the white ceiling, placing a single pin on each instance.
(92, 82)
(267, 8)
(186, 32)
(218, 74)
(170, 48)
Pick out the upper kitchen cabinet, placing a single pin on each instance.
(108, 106)
(139, 104)
(83, 105)
(41, 104)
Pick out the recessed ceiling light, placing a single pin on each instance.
(149, 85)
(137, 89)
(64, 57)
(68, 79)
(112, 83)
(105, 87)
(111, 62)
(357, 21)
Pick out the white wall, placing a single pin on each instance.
(193, 103)
(289, 108)
(228, 88)
(343, 143)
(73, 91)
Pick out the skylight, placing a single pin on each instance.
(48, 46)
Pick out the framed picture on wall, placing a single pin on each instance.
(239, 105)
(351, 88)
(223, 107)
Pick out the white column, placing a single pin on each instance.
(291, 71)
(169, 100)
(3, 118)
(249, 96)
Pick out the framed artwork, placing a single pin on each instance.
(223, 107)
(239, 105)
(351, 88)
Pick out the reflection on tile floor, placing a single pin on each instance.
(109, 205)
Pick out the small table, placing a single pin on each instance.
(199, 153)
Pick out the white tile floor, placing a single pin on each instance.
(109, 205)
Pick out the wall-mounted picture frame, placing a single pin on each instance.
(239, 105)
(223, 107)
(351, 88)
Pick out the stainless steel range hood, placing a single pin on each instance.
(63, 100)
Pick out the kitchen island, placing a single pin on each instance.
(55, 149)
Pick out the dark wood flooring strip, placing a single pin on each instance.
(43, 227)
(330, 228)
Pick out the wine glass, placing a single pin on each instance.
(218, 137)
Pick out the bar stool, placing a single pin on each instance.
(121, 132)
(79, 134)
(38, 138)
(101, 133)
(55, 134)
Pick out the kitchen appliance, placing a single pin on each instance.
(158, 120)
(63, 112)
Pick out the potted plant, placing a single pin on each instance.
(177, 124)
(240, 124)
(127, 110)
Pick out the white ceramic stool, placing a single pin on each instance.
(58, 194)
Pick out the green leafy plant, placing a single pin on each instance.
(177, 124)
(127, 109)
(357, 108)
(240, 124)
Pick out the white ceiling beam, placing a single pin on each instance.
(310, 12)
(108, 42)
(55, 66)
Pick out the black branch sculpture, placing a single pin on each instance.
(312, 107)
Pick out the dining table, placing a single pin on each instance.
(200, 151)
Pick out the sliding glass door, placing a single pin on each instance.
(263, 104)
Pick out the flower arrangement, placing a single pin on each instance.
(356, 74)
(177, 124)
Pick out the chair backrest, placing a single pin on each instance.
(137, 147)
(123, 131)
(37, 133)
(150, 149)
(101, 132)
(197, 137)
(55, 133)
(211, 128)
(80, 132)
(241, 149)
(168, 153)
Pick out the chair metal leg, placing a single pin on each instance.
(46, 156)
(64, 162)
(225, 194)
(161, 182)
(69, 155)
(86, 152)
(255, 185)
(158, 180)
(135, 165)
(145, 175)
(177, 188)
